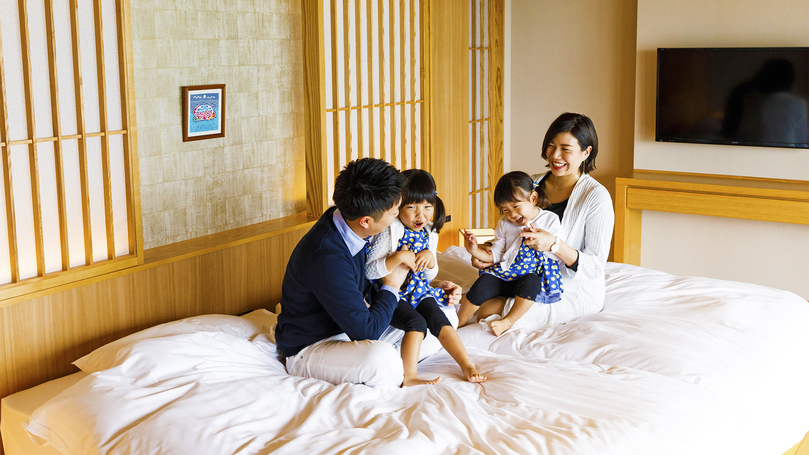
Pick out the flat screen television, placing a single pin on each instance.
(735, 96)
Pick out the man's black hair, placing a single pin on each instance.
(367, 187)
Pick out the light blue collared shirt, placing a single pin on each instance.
(354, 242)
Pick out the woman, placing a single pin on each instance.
(585, 209)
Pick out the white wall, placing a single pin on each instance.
(772, 254)
(713, 23)
(572, 56)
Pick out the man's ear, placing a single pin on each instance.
(365, 221)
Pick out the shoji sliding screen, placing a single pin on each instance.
(68, 158)
(486, 62)
(365, 70)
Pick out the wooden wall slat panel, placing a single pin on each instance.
(383, 143)
(370, 42)
(33, 164)
(82, 130)
(129, 119)
(496, 115)
(402, 63)
(103, 118)
(449, 110)
(361, 151)
(7, 176)
(314, 72)
(346, 83)
(413, 78)
(57, 130)
(335, 91)
(392, 87)
(425, 78)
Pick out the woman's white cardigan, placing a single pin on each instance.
(587, 224)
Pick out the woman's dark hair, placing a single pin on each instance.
(419, 186)
(582, 128)
(367, 187)
(516, 186)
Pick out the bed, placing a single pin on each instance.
(671, 365)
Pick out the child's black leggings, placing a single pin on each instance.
(489, 286)
(426, 315)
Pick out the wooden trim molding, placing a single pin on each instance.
(125, 265)
(781, 201)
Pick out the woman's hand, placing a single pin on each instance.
(538, 239)
(477, 263)
(452, 290)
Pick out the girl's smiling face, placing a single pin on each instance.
(416, 215)
(565, 155)
(522, 211)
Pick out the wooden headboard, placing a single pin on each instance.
(784, 201)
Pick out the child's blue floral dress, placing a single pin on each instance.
(529, 260)
(415, 287)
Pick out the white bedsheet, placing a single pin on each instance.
(672, 365)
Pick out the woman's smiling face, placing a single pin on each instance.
(565, 156)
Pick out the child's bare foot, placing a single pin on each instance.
(415, 380)
(499, 327)
(472, 374)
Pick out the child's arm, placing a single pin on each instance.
(471, 245)
(380, 262)
(430, 256)
(425, 260)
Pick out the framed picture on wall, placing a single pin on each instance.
(203, 112)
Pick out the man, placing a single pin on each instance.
(331, 317)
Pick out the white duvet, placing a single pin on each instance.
(670, 366)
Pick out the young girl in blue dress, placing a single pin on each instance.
(412, 240)
(519, 271)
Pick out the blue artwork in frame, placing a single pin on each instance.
(203, 112)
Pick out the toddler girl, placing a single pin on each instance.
(412, 240)
(519, 271)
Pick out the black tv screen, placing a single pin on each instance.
(736, 96)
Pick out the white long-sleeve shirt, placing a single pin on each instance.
(386, 243)
(507, 241)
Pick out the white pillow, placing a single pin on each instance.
(247, 326)
(455, 264)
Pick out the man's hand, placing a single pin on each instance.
(452, 290)
(396, 277)
(406, 257)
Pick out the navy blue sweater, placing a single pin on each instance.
(323, 292)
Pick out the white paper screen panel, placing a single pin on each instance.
(65, 185)
(374, 83)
